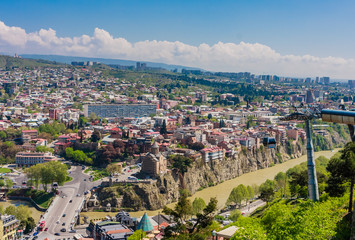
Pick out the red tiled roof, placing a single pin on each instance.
(118, 231)
(28, 131)
(163, 225)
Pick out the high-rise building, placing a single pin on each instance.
(141, 66)
(351, 83)
(326, 80)
(309, 96)
(53, 114)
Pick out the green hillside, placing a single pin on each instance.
(7, 62)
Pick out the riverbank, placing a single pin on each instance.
(222, 190)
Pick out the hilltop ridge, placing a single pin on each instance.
(9, 62)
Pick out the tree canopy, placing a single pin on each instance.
(47, 173)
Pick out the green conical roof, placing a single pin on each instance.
(145, 224)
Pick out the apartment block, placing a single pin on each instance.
(120, 110)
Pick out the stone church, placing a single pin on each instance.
(154, 163)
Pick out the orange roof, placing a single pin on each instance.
(28, 131)
(119, 231)
(164, 224)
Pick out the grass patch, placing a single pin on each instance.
(99, 173)
(43, 199)
(40, 197)
(68, 179)
(5, 170)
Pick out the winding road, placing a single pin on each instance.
(64, 209)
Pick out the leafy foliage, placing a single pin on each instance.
(47, 173)
(342, 170)
(198, 205)
(267, 190)
(238, 194)
(54, 128)
(44, 149)
(306, 220)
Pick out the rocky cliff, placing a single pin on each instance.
(166, 189)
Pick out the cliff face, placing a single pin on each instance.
(166, 189)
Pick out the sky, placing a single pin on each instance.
(297, 38)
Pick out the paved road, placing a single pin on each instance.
(67, 202)
(126, 172)
(247, 210)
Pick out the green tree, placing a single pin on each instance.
(251, 193)
(82, 121)
(198, 205)
(298, 181)
(304, 220)
(10, 210)
(137, 235)
(182, 210)
(2, 183)
(47, 173)
(281, 182)
(93, 117)
(267, 190)
(113, 169)
(44, 149)
(342, 170)
(249, 228)
(222, 124)
(238, 194)
(255, 188)
(3, 135)
(205, 219)
(163, 129)
(235, 215)
(181, 164)
(22, 213)
(95, 136)
(30, 225)
(34, 174)
(69, 152)
(8, 183)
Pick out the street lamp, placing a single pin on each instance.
(214, 233)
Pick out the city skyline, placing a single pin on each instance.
(289, 39)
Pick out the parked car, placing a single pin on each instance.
(63, 230)
(57, 234)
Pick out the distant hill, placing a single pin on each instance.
(69, 59)
(8, 62)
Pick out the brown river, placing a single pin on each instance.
(222, 190)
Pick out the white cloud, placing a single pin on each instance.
(256, 58)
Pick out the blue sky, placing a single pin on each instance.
(320, 28)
